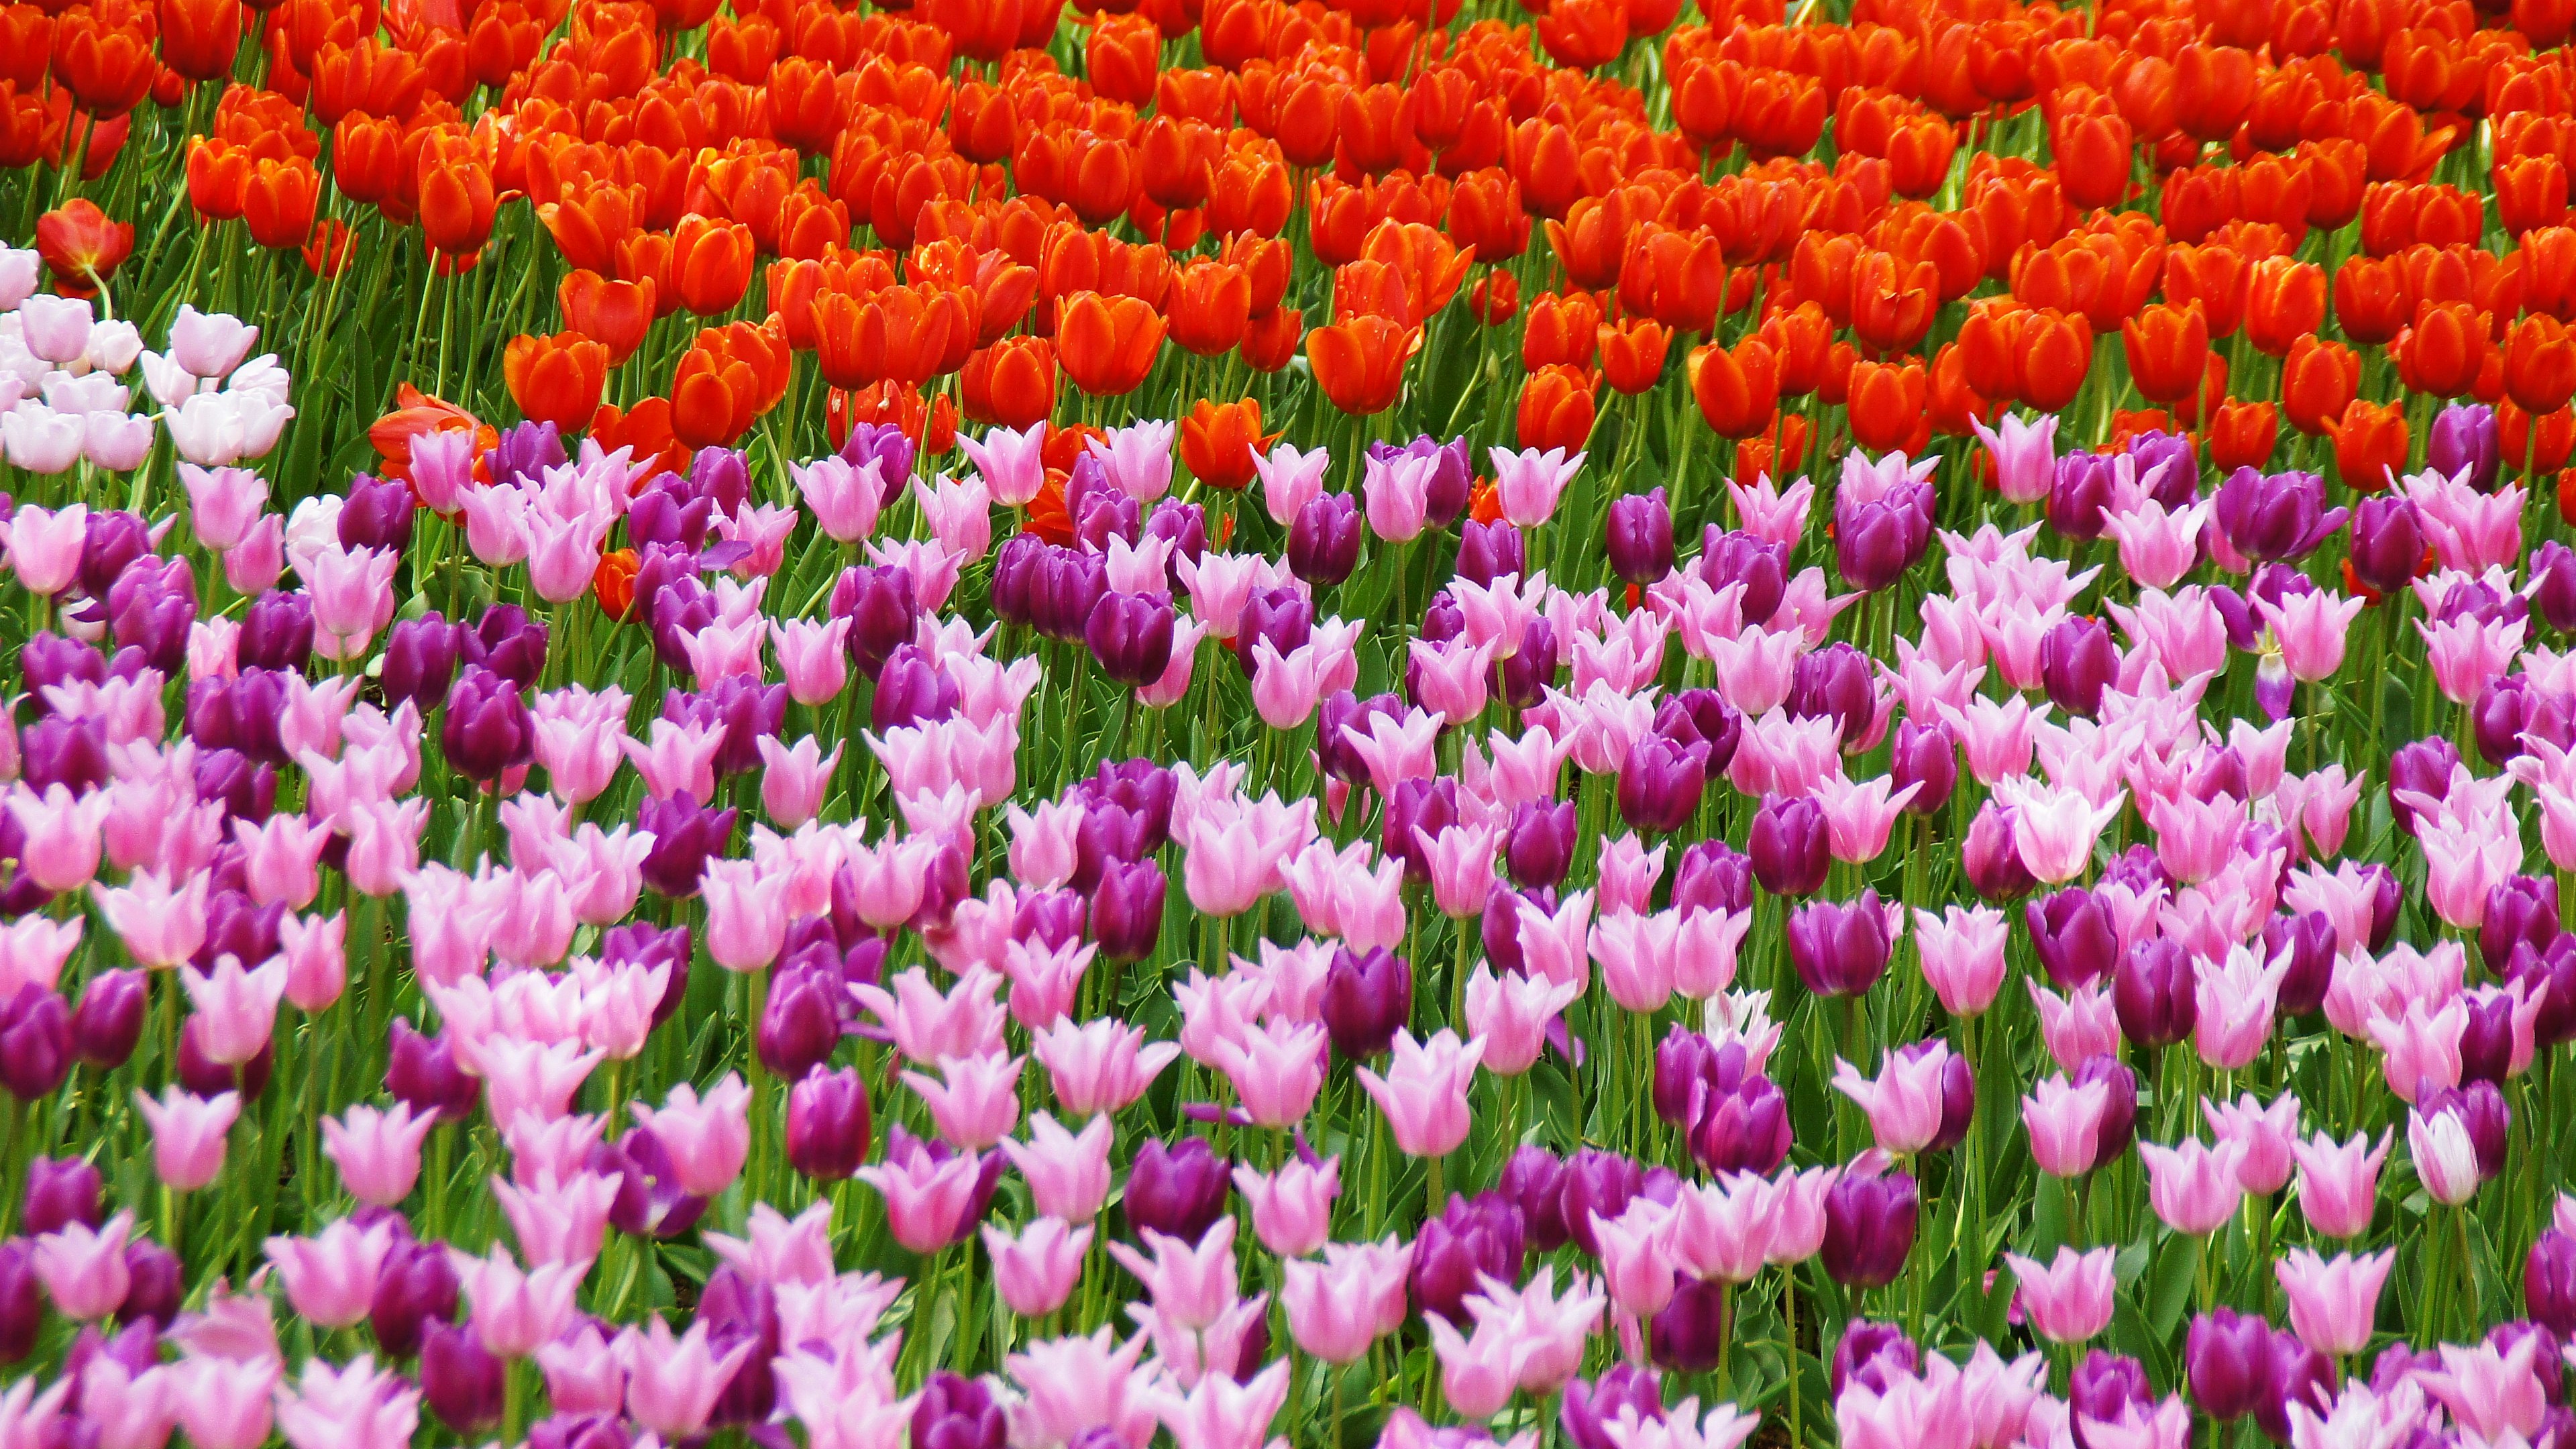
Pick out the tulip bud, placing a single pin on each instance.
(459, 1378)
(1692, 1328)
(420, 661)
(1640, 542)
(109, 1020)
(35, 1043)
(1927, 756)
(59, 1192)
(276, 632)
(2463, 439)
(1840, 948)
(801, 1023)
(1131, 636)
(1324, 541)
(1178, 1191)
(508, 643)
(1869, 1353)
(1127, 909)
(2387, 543)
(1760, 566)
(1533, 1180)
(376, 513)
(155, 1282)
(1713, 876)
(2154, 994)
(1366, 998)
(828, 1124)
(422, 1071)
(1487, 552)
(22, 1300)
(685, 834)
(1471, 1238)
(1788, 846)
(1661, 783)
(416, 1287)
(2077, 662)
(1869, 1228)
(1539, 845)
(1990, 858)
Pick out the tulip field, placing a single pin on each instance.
(1287, 724)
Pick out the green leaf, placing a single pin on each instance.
(2170, 1283)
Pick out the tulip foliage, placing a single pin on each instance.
(996, 723)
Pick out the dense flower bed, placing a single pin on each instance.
(1339, 724)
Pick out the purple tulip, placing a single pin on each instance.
(2077, 661)
(2275, 516)
(1176, 1190)
(1131, 636)
(1740, 558)
(1127, 909)
(1324, 540)
(1640, 541)
(685, 834)
(2464, 438)
(1788, 845)
(1840, 948)
(1367, 997)
(1473, 1238)
(2154, 994)
(828, 1125)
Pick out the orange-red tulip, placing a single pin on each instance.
(2540, 364)
(1209, 305)
(616, 315)
(1011, 383)
(2242, 435)
(1562, 329)
(1556, 409)
(2370, 445)
(710, 264)
(278, 198)
(2056, 353)
(1219, 442)
(2445, 350)
(1359, 363)
(1107, 344)
(1632, 353)
(81, 246)
(2370, 300)
(556, 379)
(1737, 390)
(2168, 350)
(1886, 405)
(2318, 381)
(1271, 341)
(2285, 300)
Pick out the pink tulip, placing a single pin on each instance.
(353, 599)
(2234, 1004)
(236, 1010)
(2192, 1186)
(2333, 1305)
(515, 1311)
(708, 1137)
(2069, 1300)
(1043, 854)
(1035, 1272)
(1277, 1070)
(353, 1407)
(2056, 830)
(1904, 1101)
(2339, 1182)
(160, 926)
(1191, 1283)
(1637, 957)
(1292, 1209)
(1511, 1015)
(1067, 1172)
(1424, 1092)
(1629, 873)
(1338, 1307)
(582, 1373)
(222, 503)
(1995, 737)
(1099, 1066)
(672, 1383)
(1638, 1265)
(2497, 1396)
(2419, 1047)
(927, 1024)
(221, 1403)
(1963, 956)
(1010, 463)
(83, 1268)
(1528, 483)
(1075, 1384)
(331, 1277)
(2157, 548)
(1398, 495)
(1858, 817)
(45, 545)
(377, 1152)
(2311, 629)
(2065, 1123)
(63, 839)
(1705, 947)
(1721, 1232)
(1777, 515)
(2265, 1138)
(975, 1099)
